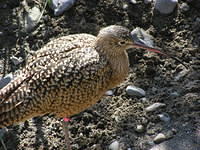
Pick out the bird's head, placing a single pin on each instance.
(117, 39)
(120, 39)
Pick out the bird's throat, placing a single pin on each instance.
(120, 67)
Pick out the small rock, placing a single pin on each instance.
(154, 89)
(142, 37)
(109, 93)
(114, 145)
(164, 117)
(16, 61)
(135, 91)
(144, 99)
(139, 128)
(184, 7)
(132, 1)
(96, 147)
(154, 106)
(32, 18)
(159, 138)
(1, 33)
(174, 94)
(165, 6)
(181, 75)
(59, 6)
(125, 6)
(4, 81)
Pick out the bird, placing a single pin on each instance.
(68, 75)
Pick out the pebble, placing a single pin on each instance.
(154, 106)
(114, 145)
(135, 91)
(16, 60)
(165, 6)
(5, 80)
(164, 117)
(174, 94)
(184, 7)
(32, 18)
(144, 99)
(139, 128)
(133, 1)
(109, 93)
(181, 75)
(59, 6)
(125, 6)
(159, 138)
(142, 37)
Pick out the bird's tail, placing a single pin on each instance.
(15, 103)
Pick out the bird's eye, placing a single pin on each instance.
(122, 42)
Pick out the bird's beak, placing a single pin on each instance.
(137, 44)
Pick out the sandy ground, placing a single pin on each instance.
(115, 118)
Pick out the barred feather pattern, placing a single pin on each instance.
(66, 76)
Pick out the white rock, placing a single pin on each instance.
(159, 138)
(139, 128)
(135, 91)
(133, 1)
(16, 60)
(114, 145)
(142, 37)
(5, 80)
(32, 18)
(109, 93)
(165, 6)
(154, 106)
(164, 117)
(59, 6)
(184, 7)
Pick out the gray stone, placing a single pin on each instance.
(32, 18)
(174, 94)
(139, 128)
(114, 146)
(181, 74)
(135, 91)
(154, 107)
(16, 60)
(165, 6)
(142, 37)
(59, 6)
(164, 117)
(109, 93)
(5, 80)
(159, 138)
(184, 7)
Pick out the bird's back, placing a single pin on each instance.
(64, 77)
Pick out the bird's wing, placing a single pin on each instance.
(63, 45)
(59, 46)
(39, 76)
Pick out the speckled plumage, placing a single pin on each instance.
(66, 76)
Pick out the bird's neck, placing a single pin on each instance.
(118, 62)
